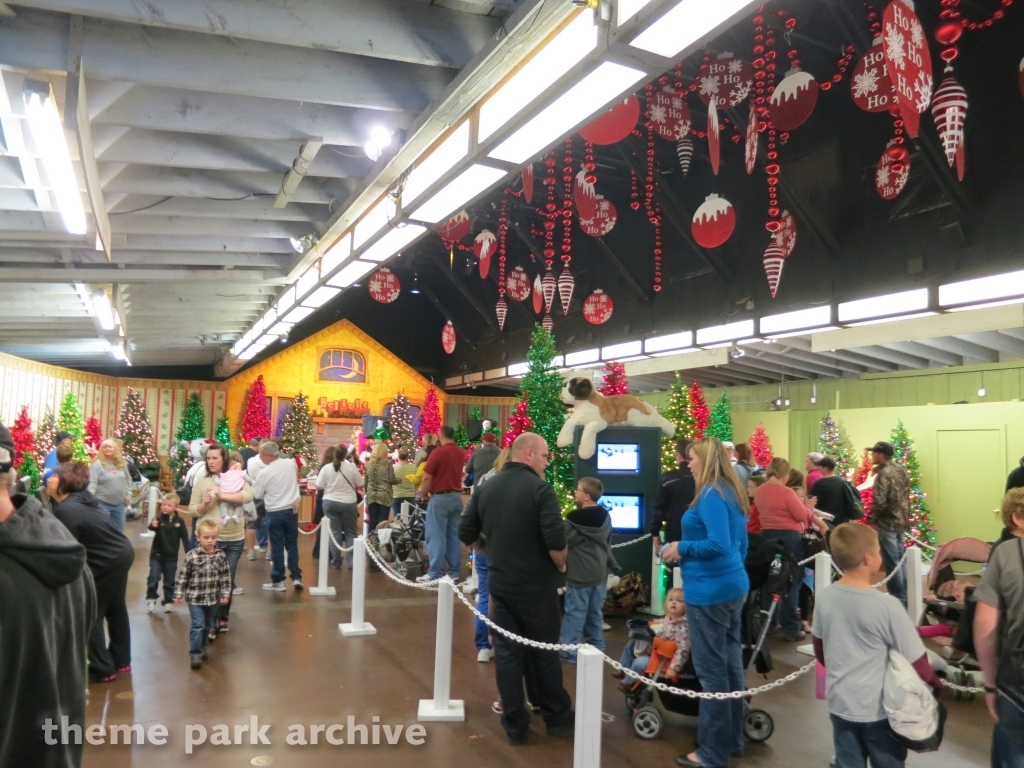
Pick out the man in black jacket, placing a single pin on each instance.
(47, 605)
(677, 493)
(517, 514)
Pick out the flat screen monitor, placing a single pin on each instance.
(618, 457)
(625, 510)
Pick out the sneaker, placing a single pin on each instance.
(424, 578)
(196, 662)
(297, 583)
(496, 708)
(532, 707)
(618, 674)
(250, 555)
(606, 626)
(257, 548)
(274, 586)
(223, 626)
(484, 655)
(238, 591)
(213, 634)
(167, 608)
(150, 606)
(125, 669)
(205, 654)
(267, 558)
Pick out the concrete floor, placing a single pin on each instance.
(285, 662)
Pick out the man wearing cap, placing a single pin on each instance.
(890, 514)
(61, 438)
(47, 608)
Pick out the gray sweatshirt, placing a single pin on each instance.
(588, 533)
(108, 483)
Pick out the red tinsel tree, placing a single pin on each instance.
(430, 423)
(255, 422)
(24, 438)
(698, 411)
(519, 421)
(864, 470)
(93, 434)
(614, 379)
(761, 447)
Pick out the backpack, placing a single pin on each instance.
(1010, 670)
(916, 717)
(854, 503)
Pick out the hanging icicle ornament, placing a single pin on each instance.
(714, 137)
(448, 337)
(548, 286)
(517, 284)
(597, 216)
(909, 62)
(528, 183)
(949, 110)
(566, 284)
(598, 308)
(501, 309)
(538, 295)
(684, 151)
(484, 245)
(750, 146)
(774, 258)
(615, 124)
(713, 222)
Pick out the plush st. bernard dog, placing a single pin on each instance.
(594, 412)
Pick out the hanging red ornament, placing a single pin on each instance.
(548, 285)
(785, 238)
(517, 284)
(597, 216)
(713, 137)
(1020, 77)
(528, 183)
(484, 244)
(565, 288)
(750, 147)
(713, 222)
(598, 308)
(538, 295)
(670, 115)
(909, 62)
(448, 337)
(384, 286)
(615, 124)
(501, 310)
(871, 86)
(456, 228)
(948, 32)
(728, 79)
(547, 323)
(793, 100)
(891, 175)
(684, 151)
(773, 260)
(949, 110)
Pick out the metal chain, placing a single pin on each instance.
(631, 541)
(314, 529)
(331, 534)
(962, 688)
(430, 586)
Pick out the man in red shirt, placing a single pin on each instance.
(442, 484)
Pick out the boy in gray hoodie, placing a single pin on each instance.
(588, 533)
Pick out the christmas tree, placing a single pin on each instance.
(70, 420)
(761, 447)
(136, 435)
(461, 435)
(698, 411)
(297, 435)
(21, 433)
(677, 411)
(93, 435)
(831, 444)
(864, 470)
(44, 436)
(222, 434)
(30, 468)
(401, 424)
(921, 527)
(191, 427)
(255, 422)
(519, 421)
(547, 412)
(720, 424)
(614, 379)
(430, 424)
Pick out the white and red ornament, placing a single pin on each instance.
(484, 246)
(893, 171)
(566, 284)
(597, 216)
(793, 100)
(1020, 77)
(684, 151)
(598, 308)
(909, 61)
(538, 294)
(517, 284)
(456, 228)
(714, 138)
(384, 286)
(728, 79)
(774, 258)
(713, 222)
(871, 87)
(547, 323)
(750, 146)
(949, 110)
(785, 238)
(548, 286)
(669, 114)
(501, 310)
(448, 337)
(615, 124)
(528, 183)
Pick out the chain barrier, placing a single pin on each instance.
(430, 586)
(962, 688)
(314, 529)
(331, 534)
(631, 541)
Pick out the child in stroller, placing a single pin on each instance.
(401, 541)
(637, 653)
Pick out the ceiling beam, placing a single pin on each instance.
(446, 314)
(831, 363)
(109, 275)
(964, 349)
(145, 224)
(997, 341)
(489, 317)
(621, 267)
(891, 356)
(927, 351)
(252, 208)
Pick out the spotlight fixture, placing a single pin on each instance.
(736, 352)
(303, 244)
(380, 139)
(415, 284)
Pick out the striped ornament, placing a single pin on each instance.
(547, 286)
(684, 151)
(565, 288)
(949, 110)
(501, 310)
(774, 258)
(547, 323)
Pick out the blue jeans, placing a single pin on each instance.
(443, 513)
(629, 659)
(396, 505)
(856, 742)
(717, 653)
(161, 569)
(483, 601)
(204, 618)
(341, 518)
(116, 512)
(891, 543)
(584, 617)
(262, 537)
(233, 551)
(1008, 736)
(283, 529)
(790, 618)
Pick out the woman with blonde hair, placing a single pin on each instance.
(380, 481)
(110, 482)
(712, 552)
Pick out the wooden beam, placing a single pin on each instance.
(489, 317)
(619, 265)
(445, 313)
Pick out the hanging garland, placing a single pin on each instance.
(565, 281)
(501, 310)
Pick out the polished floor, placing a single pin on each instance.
(285, 662)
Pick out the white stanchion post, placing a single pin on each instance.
(322, 589)
(358, 626)
(442, 708)
(154, 503)
(657, 598)
(915, 584)
(586, 751)
(677, 577)
(822, 578)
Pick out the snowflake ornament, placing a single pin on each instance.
(901, 177)
(895, 51)
(677, 103)
(740, 92)
(923, 91)
(658, 114)
(866, 83)
(735, 67)
(882, 176)
(916, 33)
(709, 85)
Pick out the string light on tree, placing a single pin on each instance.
(21, 434)
(614, 382)
(191, 427)
(831, 444)
(255, 421)
(761, 446)
(720, 423)
(93, 435)
(297, 435)
(921, 526)
(430, 424)
(677, 411)
(222, 433)
(698, 409)
(519, 421)
(136, 435)
(401, 424)
(70, 420)
(45, 435)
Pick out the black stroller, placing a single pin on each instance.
(401, 542)
(772, 570)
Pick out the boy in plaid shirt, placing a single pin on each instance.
(205, 584)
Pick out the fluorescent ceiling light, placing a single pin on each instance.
(730, 331)
(257, 328)
(581, 357)
(237, 347)
(351, 273)
(298, 314)
(436, 164)
(626, 349)
(336, 255)
(675, 352)
(286, 300)
(281, 329)
(900, 319)
(50, 141)
(519, 369)
(457, 192)
(669, 341)
(590, 95)
(802, 318)
(320, 296)
(627, 9)
(982, 289)
(557, 362)
(374, 221)
(563, 52)
(685, 24)
(103, 312)
(878, 306)
(804, 332)
(251, 352)
(117, 350)
(307, 282)
(270, 317)
(987, 305)
(392, 242)
(633, 359)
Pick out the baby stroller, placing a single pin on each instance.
(400, 542)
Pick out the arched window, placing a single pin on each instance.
(342, 365)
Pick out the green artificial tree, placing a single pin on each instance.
(677, 411)
(401, 424)
(45, 435)
(297, 435)
(191, 427)
(70, 420)
(720, 424)
(832, 444)
(461, 436)
(136, 435)
(222, 433)
(921, 527)
(29, 468)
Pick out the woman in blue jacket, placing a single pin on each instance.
(712, 552)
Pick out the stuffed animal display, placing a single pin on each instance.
(593, 411)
